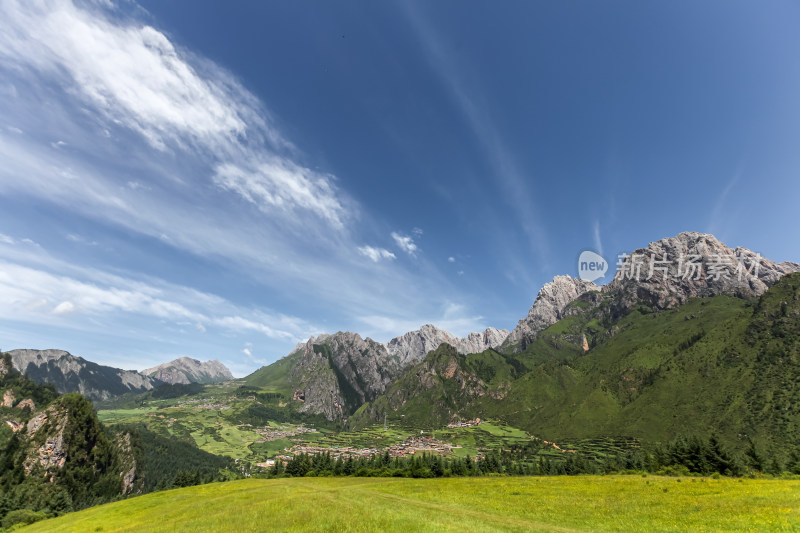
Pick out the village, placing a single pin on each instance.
(467, 424)
(203, 403)
(282, 432)
(409, 447)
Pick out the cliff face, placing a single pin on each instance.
(186, 370)
(414, 345)
(335, 374)
(68, 373)
(549, 307)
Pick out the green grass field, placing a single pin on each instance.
(583, 503)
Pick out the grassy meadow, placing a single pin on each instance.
(581, 503)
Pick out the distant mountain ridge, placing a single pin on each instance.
(413, 345)
(69, 373)
(185, 370)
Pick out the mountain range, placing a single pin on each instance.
(70, 373)
(667, 345)
(186, 370)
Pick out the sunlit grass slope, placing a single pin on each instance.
(584, 503)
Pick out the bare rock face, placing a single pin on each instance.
(27, 404)
(52, 453)
(549, 306)
(187, 370)
(8, 399)
(68, 373)
(128, 475)
(479, 342)
(690, 265)
(414, 345)
(335, 374)
(3, 368)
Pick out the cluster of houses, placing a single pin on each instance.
(410, 446)
(413, 445)
(467, 424)
(282, 432)
(206, 405)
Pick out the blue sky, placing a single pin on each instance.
(224, 179)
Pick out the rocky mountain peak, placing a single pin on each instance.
(69, 373)
(335, 374)
(186, 370)
(549, 306)
(412, 346)
(670, 271)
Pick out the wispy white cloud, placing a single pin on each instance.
(514, 185)
(598, 243)
(130, 75)
(33, 294)
(451, 259)
(129, 71)
(64, 308)
(405, 243)
(280, 184)
(74, 237)
(248, 351)
(719, 218)
(136, 185)
(375, 254)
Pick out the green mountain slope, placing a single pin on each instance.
(720, 364)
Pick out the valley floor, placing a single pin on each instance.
(580, 503)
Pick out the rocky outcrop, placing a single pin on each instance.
(479, 342)
(414, 345)
(68, 373)
(671, 271)
(186, 370)
(3, 368)
(51, 454)
(549, 307)
(335, 374)
(128, 475)
(27, 404)
(8, 399)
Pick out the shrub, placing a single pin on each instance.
(22, 516)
